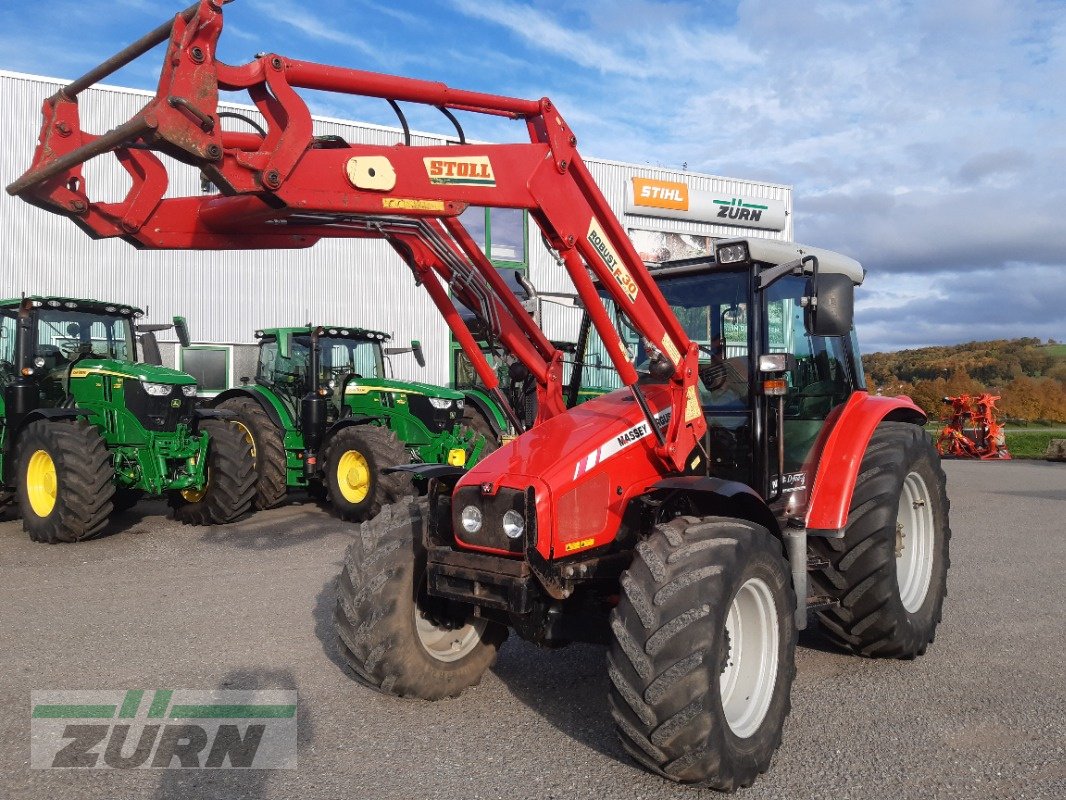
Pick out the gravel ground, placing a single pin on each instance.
(982, 715)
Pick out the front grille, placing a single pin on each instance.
(435, 419)
(493, 507)
(159, 413)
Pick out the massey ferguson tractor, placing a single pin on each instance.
(740, 478)
(87, 429)
(322, 415)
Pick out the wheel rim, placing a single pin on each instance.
(747, 682)
(246, 431)
(42, 483)
(353, 476)
(914, 542)
(447, 644)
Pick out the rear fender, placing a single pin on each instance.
(841, 457)
(707, 496)
(271, 406)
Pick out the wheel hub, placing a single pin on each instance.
(42, 483)
(914, 543)
(353, 476)
(446, 642)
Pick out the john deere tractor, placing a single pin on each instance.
(321, 415)
(86, 430)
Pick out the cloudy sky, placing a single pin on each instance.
(926, 139)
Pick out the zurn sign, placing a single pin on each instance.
(163, 729)
(677, 200)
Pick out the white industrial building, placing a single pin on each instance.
(226, 296)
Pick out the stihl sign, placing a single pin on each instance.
(676, 200)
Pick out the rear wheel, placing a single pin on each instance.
(702, 652)
(268, 450)
(394, 636)
(355, 458)
(229, 487)
(66, 481)
(889, 571)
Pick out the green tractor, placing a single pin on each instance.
(85, 430)
(321, 415)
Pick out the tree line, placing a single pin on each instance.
(1029, 375)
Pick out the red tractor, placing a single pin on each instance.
(690, 520)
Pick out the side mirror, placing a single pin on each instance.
(416, 348)
(284, 345)
(834, 313)
(150, 349)
(181, 328)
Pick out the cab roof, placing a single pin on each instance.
(80, 304)
(769, 251)
(344, 331)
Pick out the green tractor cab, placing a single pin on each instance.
(322, 415)
(86, 430)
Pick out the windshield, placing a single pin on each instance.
(712, 308)
(358, 357)
(64, 334)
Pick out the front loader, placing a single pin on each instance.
(88, 430)
(660, 518)
(323, 416)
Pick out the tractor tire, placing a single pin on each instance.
(355, 458)
(394, 637)
(702, 651)
(125, 499)
(66, 481)
(230, 489)
(268, 450)
(889, 571)
(475, 422)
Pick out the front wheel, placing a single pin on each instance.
(889, 571)
(702, 651)
(393, 635)
(355, 459)
(229, 482)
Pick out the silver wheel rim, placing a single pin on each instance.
(747, 682)
(914, 542)
(448, 644)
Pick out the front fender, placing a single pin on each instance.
(715, 496)
(488, 409)
(841, 457)
(273, 408)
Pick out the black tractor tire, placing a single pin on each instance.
(670, 651)
(84, 480)
(872, 619)
(474, 422)
(230, 489)
(125, 499)
(378, 448)
(268, 450)
(382, 605)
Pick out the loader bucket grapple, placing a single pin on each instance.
(740, 472)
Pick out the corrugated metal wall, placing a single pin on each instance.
(227, 295)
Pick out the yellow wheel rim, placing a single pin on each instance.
(196, 495)
(247, 436)
(353, 476)
(42, 483)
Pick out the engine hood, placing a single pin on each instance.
(368, 385)
(151, 373)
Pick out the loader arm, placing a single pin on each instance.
(289, 189)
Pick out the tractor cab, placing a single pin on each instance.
(778, 354)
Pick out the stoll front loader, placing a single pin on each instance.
(647, 518)
(87, 430)
(321, 415)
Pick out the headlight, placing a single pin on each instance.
(471, 519)
(459, 403)
(189, 391)
(732, 253)
(38, 362)
(440, 402)
(513, 524)
(157, 389)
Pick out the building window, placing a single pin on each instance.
(209, 365)
(499, 232)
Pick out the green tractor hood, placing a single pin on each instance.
(149, 373)
(359, 386)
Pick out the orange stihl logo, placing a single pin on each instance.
(660, 194)
(471, 171)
